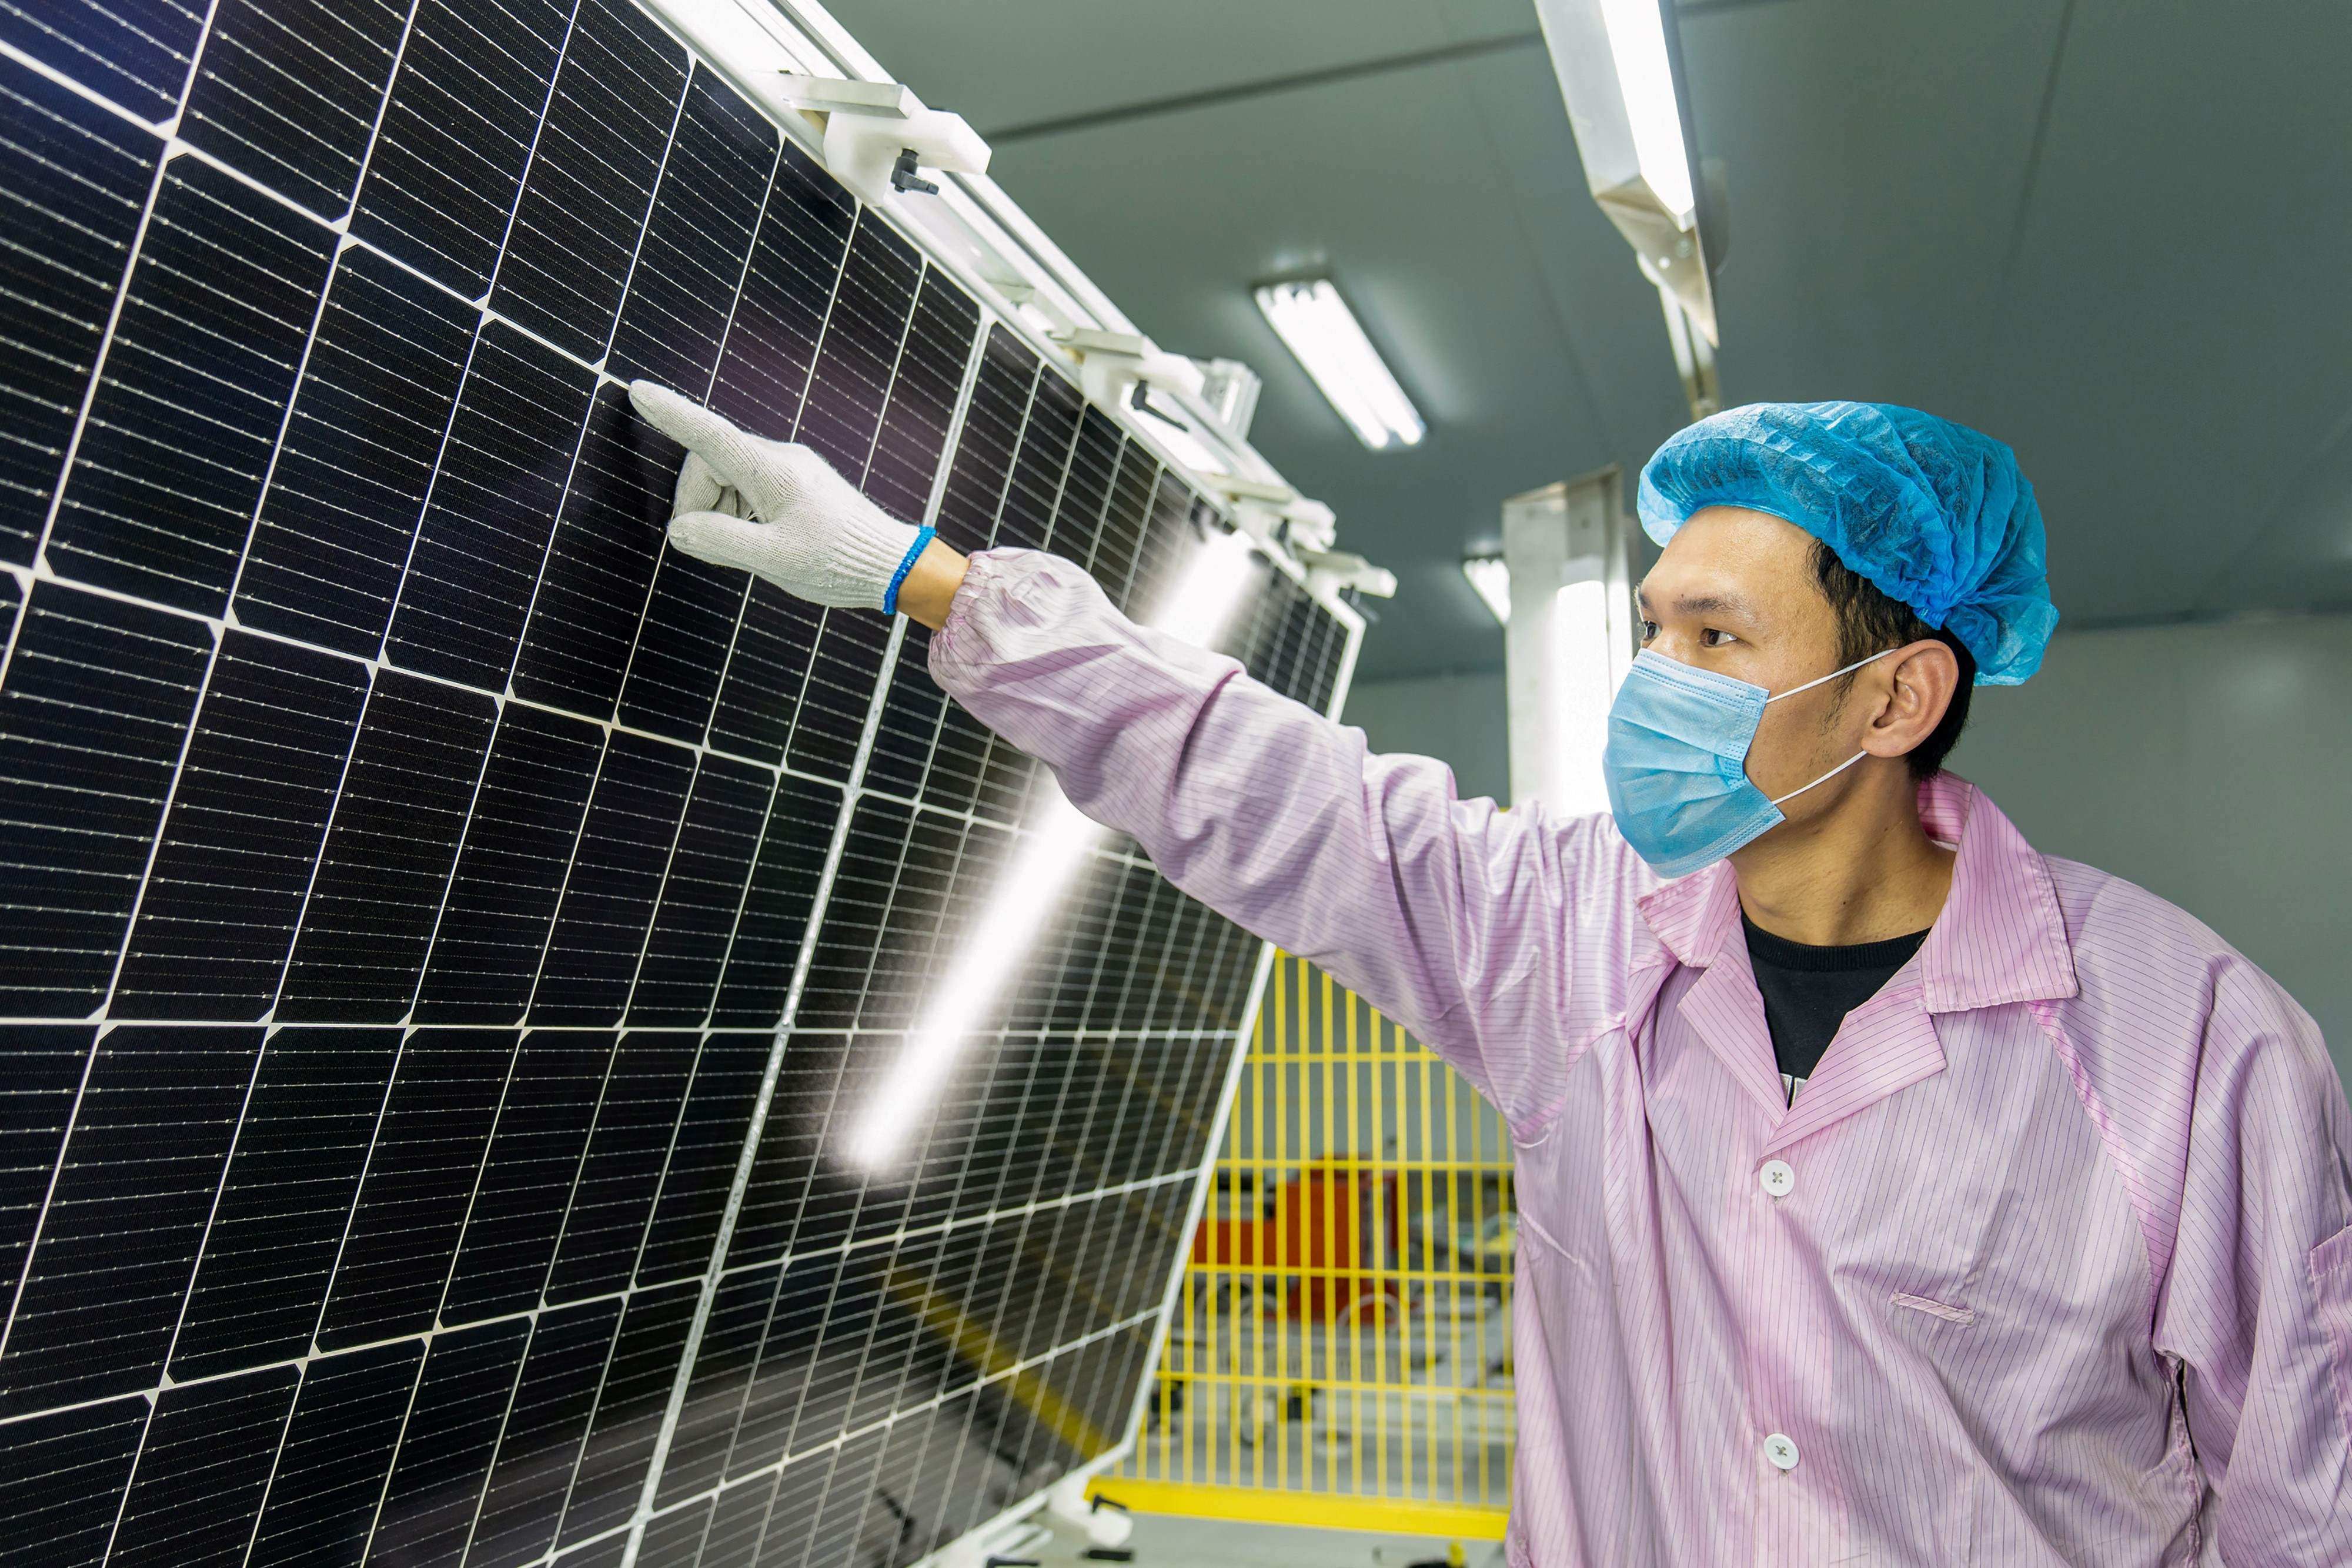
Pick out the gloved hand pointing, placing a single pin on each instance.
(777, 509)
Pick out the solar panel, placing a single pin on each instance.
(448, 932)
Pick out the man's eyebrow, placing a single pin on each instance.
(1704, 604)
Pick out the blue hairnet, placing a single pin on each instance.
(1937, 515)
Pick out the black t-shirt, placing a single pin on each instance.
(1809, 990)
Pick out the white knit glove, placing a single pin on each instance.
(814, 535)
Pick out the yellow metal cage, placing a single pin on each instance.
(1339, 1354)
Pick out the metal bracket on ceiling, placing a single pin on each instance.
(878, 135)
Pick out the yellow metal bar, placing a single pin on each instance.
(1320, 1511)
(1401, 1390)
(1368, 1163)
(1331, 1242)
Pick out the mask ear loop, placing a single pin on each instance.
(1834, 674)
(1809, 685)
(1824, 778)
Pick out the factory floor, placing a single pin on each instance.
(1160, 1542)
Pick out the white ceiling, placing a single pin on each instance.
(2112, 235)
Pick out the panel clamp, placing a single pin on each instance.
(1277, 515)
(878, 135)
(1124, 367)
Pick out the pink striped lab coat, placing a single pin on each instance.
(2048, 1264)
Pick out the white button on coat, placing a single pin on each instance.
(1778, 1178)
(1781, 1449)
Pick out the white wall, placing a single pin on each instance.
(2209, 764)
(1458, 719)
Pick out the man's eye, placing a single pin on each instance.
(1711, 638)
(1649, 630)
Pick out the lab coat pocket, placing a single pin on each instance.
(1934, 1309)
(2331, 1279)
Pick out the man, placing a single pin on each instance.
(1890, 1193)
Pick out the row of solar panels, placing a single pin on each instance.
(410, 860)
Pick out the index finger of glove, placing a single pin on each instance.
(719, 441)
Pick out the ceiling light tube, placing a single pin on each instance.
(1637, 46)
(1621, 75)
(1316, 325)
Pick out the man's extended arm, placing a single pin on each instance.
(1453, 918)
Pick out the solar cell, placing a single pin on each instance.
(78, 180)
(700, 1168)
(45, 1073)
(354, 468)
(135, 52)
(201, 1470)
(516, 1215)
(125, 1216)
(708, 866)
(525, 819)
(714, 185)
(613, 882)
(384, 864)
(285, 1202)
(467, 584)
(539, 1447)
(457, 135)
(335, 1455)
(252, 797)
(591, 598)
(612, 1199)
(450, 933)
(291, 88)
(448, 1443)
(96, 701)
(191, 391)
(62, 1475)
(422, 1172)
(599, 150)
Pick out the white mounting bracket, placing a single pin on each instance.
(878, 134)
(1235, 487)
(1342, 569)
(1278, 516)
(1110, 363)
(1106, 1524)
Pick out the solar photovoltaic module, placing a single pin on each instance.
(445, 930)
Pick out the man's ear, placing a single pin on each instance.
(1921, 684)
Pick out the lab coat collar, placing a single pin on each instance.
(2000, 938)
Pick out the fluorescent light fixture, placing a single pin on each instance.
(1492, 578)
(1637, 45)
(1316, 325)
(1048, 859)
(1620, 71)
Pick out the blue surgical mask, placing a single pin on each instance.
(1676, 764)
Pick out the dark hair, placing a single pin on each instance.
(1870, 623)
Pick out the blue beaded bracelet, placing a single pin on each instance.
(923, 536)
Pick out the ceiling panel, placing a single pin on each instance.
(2110, 237)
